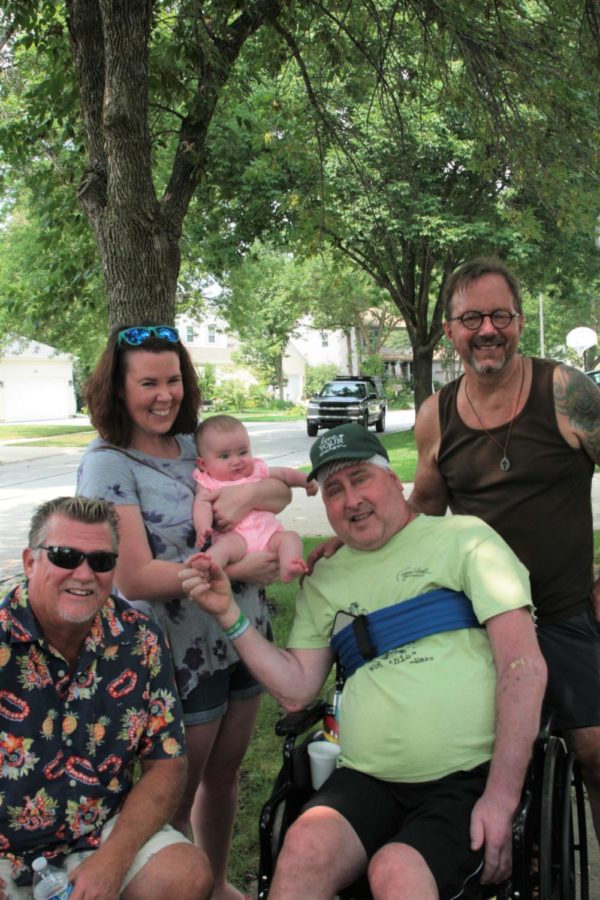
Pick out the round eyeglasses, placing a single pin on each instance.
(139, 334)
(473, 320)
(69, 558)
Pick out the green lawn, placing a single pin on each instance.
(15, 432)
(402, 451)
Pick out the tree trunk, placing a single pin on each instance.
(422, 372)
(137, 233)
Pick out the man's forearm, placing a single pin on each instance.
(149, 806)
(280, 671)
(519, 694)
(429, 506)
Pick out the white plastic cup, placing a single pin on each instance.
(323, 757)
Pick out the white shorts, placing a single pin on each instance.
(163, 838)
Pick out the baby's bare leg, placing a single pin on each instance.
(227, 548)
(288, 546)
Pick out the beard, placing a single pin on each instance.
(489, 368)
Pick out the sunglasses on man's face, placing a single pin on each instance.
(69, 558)
(138, 335)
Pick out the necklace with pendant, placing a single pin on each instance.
(504, 461)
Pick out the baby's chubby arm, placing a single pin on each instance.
(294, 478)
(202, 514)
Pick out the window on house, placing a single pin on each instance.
(212, 334)
(190, 334)
(324, 339)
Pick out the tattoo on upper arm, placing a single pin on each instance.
(578, 398)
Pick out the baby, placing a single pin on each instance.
(224, 458)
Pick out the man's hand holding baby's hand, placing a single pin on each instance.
(206, 583)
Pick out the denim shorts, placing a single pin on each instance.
(211, 697)
(571, 649)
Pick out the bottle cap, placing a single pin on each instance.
(39, 863)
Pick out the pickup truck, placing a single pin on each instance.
(348, 398)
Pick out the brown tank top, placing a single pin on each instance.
(541, 506)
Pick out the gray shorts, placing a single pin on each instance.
(571, 648)
(163, 838)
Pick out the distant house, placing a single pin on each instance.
(36, 382)
(209, 342)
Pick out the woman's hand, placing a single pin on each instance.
(260, 568)
(230, 505)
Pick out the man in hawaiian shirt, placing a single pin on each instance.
(86, 692)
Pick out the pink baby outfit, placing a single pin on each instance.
(259, 526)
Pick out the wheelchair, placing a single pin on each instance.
(550, 860)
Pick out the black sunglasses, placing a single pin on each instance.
(69, 558)
(138, 335)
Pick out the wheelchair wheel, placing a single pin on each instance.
(573, 840)
(549, 838)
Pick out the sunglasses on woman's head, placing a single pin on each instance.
(139, 334)
(69, 558)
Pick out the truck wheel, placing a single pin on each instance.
(380, 423)
(311, 429)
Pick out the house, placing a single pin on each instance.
(36, 382)
(209, 342)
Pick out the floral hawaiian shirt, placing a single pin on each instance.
(69, 741)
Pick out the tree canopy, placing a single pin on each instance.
(403, 135)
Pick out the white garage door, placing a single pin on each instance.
(27, 399)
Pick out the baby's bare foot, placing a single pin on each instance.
(293, 569)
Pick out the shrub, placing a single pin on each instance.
(317, 376)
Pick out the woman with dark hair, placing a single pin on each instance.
(144, 400)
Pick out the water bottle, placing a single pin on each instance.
(49, 883)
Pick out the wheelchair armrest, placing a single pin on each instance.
(295, 723)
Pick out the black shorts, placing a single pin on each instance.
(211, 697)
(433, 817)
(571, 649)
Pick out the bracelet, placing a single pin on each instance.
(238, 628)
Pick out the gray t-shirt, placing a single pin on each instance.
(164, 491)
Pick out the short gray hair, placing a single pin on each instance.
(88, 511)
(337, 465)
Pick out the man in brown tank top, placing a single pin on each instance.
(514, 441)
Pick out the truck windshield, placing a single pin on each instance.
(338, 389)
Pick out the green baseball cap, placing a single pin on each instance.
(351, 442)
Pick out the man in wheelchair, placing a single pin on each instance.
(442, 699)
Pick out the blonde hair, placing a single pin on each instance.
(87, 510)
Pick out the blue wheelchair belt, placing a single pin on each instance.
(371, 635)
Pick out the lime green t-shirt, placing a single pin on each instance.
(426, 709)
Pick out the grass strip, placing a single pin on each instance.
(263, 759)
